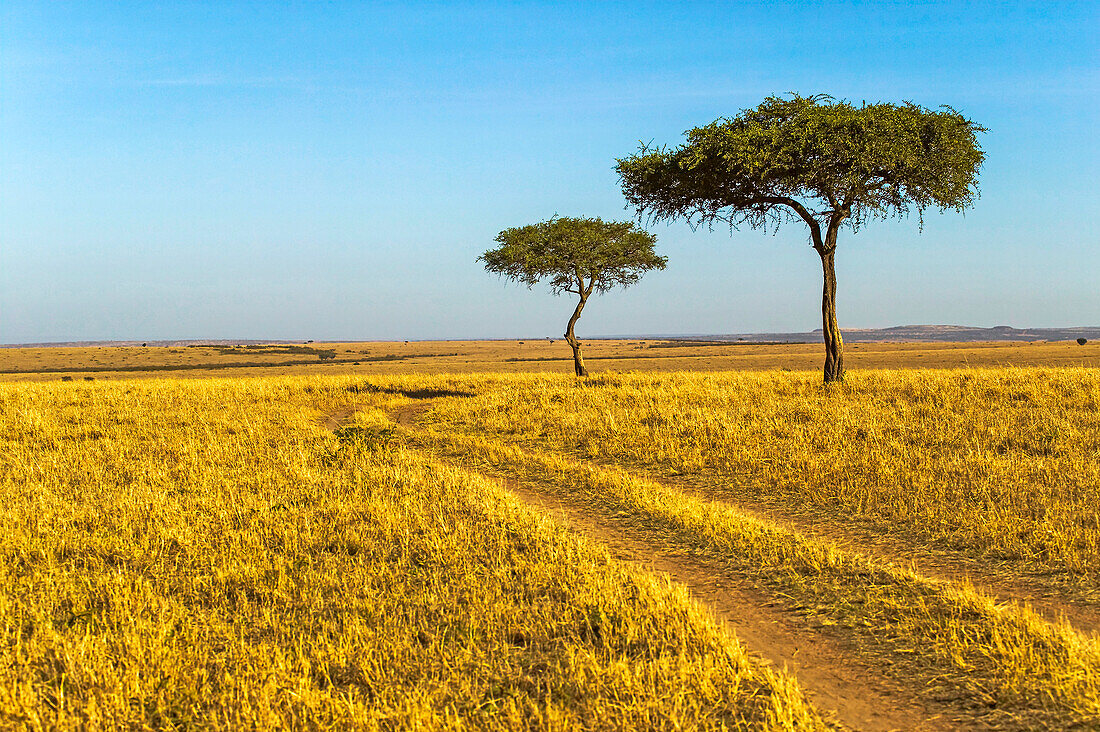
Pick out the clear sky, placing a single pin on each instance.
(332, 170)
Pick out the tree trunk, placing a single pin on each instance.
(571, 339)
(834, 344)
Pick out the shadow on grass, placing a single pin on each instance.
(410, 393)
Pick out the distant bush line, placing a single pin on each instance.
(232, 365)
(696, 344)
(261, 348)
(639, 357)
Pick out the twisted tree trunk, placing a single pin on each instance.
(571, 338)
(834, 344)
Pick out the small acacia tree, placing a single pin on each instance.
(575, 255)
(829, 164)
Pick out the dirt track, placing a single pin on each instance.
(842, 685)
(949, 567)
(837, 681)
(840, 681)
(1082, 616)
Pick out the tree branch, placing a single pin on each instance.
(580, 284)
(815, 227)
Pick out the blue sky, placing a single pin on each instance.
(332, 170)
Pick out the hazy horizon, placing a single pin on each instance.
(207, 170)
(593, 336)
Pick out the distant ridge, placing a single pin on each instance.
(916, 333)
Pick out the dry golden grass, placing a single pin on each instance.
(995, 463)
(385, 358)
(203, 554)
(1005, 667)
(206, 553)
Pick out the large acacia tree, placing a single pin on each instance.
(827, 163)
(575, 255)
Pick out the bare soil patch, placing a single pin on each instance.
(339, 418)
(406, 416)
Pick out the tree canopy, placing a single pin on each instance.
(575, 255)
(811, 158)
(827, 163)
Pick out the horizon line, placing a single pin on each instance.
(124, 342)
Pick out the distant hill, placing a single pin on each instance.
(919, 333)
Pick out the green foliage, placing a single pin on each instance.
(827, 162)
(576, 255)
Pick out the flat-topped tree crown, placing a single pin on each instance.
(827, 163)
(577, 255)
(814, 158)
(574, 254)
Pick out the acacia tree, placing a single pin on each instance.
(827, 163)
(575, 255)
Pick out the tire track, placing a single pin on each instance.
(845, 689)
(1044, 599)
(826, 664)
(850, 691)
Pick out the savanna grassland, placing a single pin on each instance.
(205, 554)
(914, 549)
(514, 356)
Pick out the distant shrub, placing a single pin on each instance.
(1082, 341)
(326, 355)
